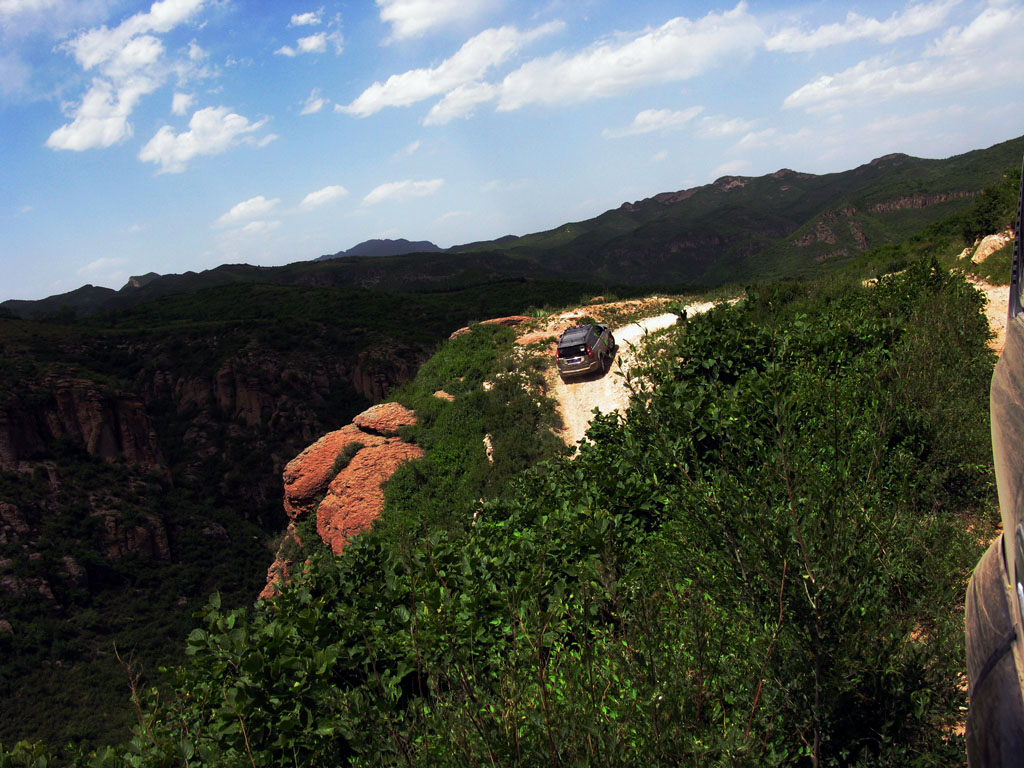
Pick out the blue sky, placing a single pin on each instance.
(183, 134)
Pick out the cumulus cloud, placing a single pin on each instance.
(414, 18)
(322, 197)
(314, 103)
(129, 64)
(181, 103)
(403, 190)
(101, 118)
(313, 44)
(469, 64)
(212, 130)
(914, 20)
(253, 208)
(651, 120)
(308, 19)
(678, 50)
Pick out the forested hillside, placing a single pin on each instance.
(760, 565)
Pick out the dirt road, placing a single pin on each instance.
(607, 392)
(996, 310)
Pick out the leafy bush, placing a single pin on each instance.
(760, 565)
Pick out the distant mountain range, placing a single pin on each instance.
(376, 248)
(738, 228)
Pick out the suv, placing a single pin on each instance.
(585, 348)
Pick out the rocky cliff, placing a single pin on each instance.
(339, 479)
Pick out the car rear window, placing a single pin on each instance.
(572, 350)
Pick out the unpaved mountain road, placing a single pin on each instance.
(996, 310)
(579, 396)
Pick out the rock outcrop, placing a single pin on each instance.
(339, 478)
(355, 497)
(109, 425)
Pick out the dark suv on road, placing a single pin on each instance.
(585, 348)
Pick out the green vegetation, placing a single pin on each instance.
(217, 499)
(497, 397)
(992, 211)
(760, 565)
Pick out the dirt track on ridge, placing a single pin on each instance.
(579, 396)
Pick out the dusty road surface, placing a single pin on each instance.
(579, 396)
(996, 310)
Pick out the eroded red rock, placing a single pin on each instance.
(355, 497)
(385, 418)
(307, 475)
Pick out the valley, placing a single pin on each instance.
(144, 433)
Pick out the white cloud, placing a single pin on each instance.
(755, 139)
(181, 103)
(680, 49)
(129, 62)
(978, 36)
(101, 119)
(414, 18)
(717, 127)
(311, 18)
(471, 62)
(730, 168)
(12, 8)
(314, 103)
(980, 56)
(409, 149)
(212, 130)
(322, 197)
(873, 81)
(312, 44)
(914, 20)
(253, 208)
(101, 267)
(660, 157)
(260, 227)
(651, 120)
(403, 190)
(460, 102)
(101, 45)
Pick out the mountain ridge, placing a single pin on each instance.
(736, 228)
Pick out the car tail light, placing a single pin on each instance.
(589, 353)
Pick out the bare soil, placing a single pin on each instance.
(580, 396)
(996, 310)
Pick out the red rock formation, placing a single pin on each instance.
(385, 418)
(355, 497)
(109, 425)
(307, 475)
